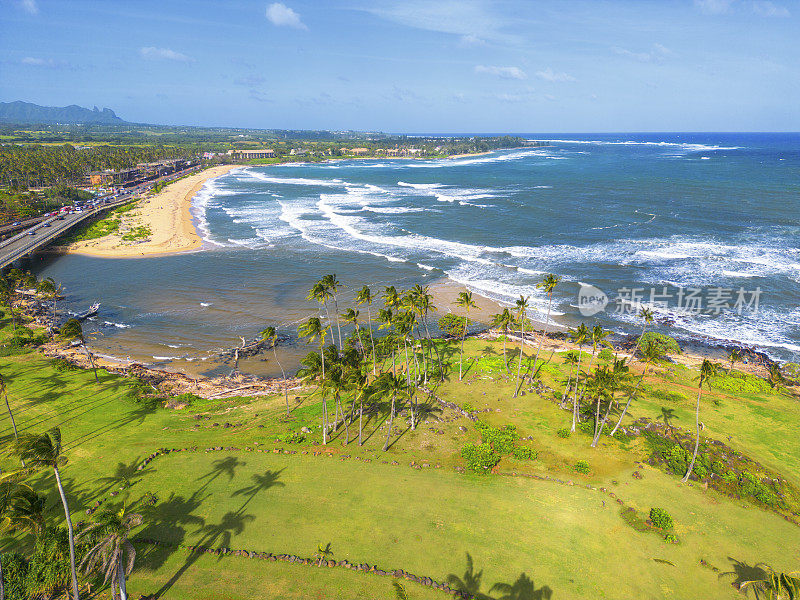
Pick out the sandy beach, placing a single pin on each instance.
(167, 215)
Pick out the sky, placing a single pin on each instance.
(436, 66)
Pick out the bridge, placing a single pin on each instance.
(50, 228)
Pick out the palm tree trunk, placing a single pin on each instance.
(324, 404)
(521, 352)
(75, 592)
(435, 349)
(372, 339)
(544, 332)
(285, 383)
(628, 403)
(123, 592)
(391, 419)
(603, 422)
(505, 355)
(13, 425)
(338, 328)
(461, 354)
(360, 421)
(636, 347)
(94, 368)
(697, 439)
(575, 397)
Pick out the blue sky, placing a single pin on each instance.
(413, 65)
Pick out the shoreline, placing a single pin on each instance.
(168, 217)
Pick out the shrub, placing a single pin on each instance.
(468, 407)
(582, 467)
(671, 538)
(49, 566)
(564, 432)
(740, 382)
(664, 343)
(291, 437)
(452, 325)
(500, 439)
(606, 354)
(750, 485)
(661, 518)
(524, 453)
(792, 372)
(61, 365)
(15, 568)
(480, 457)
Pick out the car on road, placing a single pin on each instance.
(15, 223)
(32, 232)
(46, 225)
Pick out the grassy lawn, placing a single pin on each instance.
(569, 538)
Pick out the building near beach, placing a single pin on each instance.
(250, 154)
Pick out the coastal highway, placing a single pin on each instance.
(50, 228)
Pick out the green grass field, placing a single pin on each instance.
(569, 538)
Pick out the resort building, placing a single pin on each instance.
(250, 154)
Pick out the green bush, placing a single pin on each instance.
(606, 354)
(661, 518)
(792, 372)
(664, 343)
(671, 538)
(15, 569)
(750, 485)
(61, 365)
(740, 382)
(452, 325)
(582, 467)
(480, 457)
(291, 437)
(468, 407)
(524, 453)
(49, 566)
(500, 439)
(564, 432)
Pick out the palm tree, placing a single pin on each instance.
(774, 585)
(707, 371)
(350, 316)
(4, 391)
(366, 297)
(73, 330)
(598, 336)
(522, 309)
(618, 377)
(650, 352)
(386, 385)
(332, 285)
(645, 314)
(321, 294)
(548, 284)
(422, 301)
(314, 330)
(271, 335)
(571, 360)
(578, 336)
(464, 301)
(113, 554)
(21, 508)
(733, 356)
(44, 451)
(503, 321)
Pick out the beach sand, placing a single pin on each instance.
(167, 214)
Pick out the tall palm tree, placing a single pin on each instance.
(365, 297)
(73, 330)
(619, 377)
(521, 307)
(4, 391)
(597, 336)
(321, 294)
(650, 353)
(571, 360)
(45, 451)
(332, 285)
(548, 284)
(465, 302)
(707, 371)
(350, 316)
(646, 315)
(390, 385)
(21, 508)
(503, 320)
(113, 554)
(733, 356)
(314, 330)
(773, 584)
(270, 335)
(578, 336)
(422, 301)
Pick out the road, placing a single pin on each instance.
(50, 228)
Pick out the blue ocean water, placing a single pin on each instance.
(713, 217)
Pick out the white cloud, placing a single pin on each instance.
(713, 7)
(769, 9)
(153, 53)
(549, 75)
(34, 61)
(464, 18)
(281, 15)
(503, 72)
(472, 40)
(657, 53)
(29, 6)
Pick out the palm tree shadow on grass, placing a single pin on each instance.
(167, 521)
(216, 534)
(260, 483)
(523, 588)
(222, 466)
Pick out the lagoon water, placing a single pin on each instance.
(715, 217)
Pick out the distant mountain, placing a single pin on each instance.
(26, 112)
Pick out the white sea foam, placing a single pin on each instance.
(682, 145)
(295, 180)
(206, 303)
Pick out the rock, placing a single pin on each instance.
(305, 430)
(637, 475)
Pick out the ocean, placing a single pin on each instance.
(707, 226)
